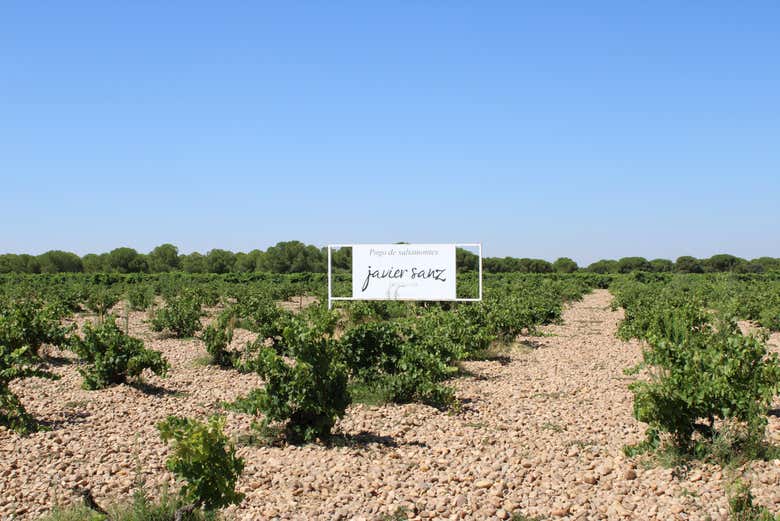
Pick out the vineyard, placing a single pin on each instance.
(407, 261)
(241, 396)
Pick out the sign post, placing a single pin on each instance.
(403, 272)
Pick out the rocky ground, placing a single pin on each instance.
(540, 432)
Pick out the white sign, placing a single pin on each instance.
(403, 272)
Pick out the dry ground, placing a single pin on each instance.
(539, 432)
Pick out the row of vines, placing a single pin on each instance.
(710, 385)
(706, 383)
(313, 362)
(705, 392)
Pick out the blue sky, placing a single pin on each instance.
(586, 129)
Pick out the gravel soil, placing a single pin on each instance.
(540, 431)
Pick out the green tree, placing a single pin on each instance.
(255, 259)
(565, 265)
(515, 265)
(603, 266)
(537, 266)
(248, 262)
(243, 263)
(465, 260)
(722, 262)
(220, 261)
(629, 264)
(29, 263)
(294, 257)
(9, 263)
(94, 263)
(126, 260)
(493, 265)
(768, 263)
(23, 263)
(342, 259)
(688, 264)
(749, 267)
(164, 257)
(193, 263)
(57, 261)
(661, 265)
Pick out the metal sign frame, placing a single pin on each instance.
(332, 299)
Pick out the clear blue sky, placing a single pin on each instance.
(586, 129)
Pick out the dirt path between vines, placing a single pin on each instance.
(540, 432)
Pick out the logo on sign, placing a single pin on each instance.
(407, 271)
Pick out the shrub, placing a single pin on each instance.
(24, 327)
(310, 397)
(467, 332)
(741, 506)
(406, 361)
(217, 337)
(259, 313)
(112, 356)
(205, 459)
(371, 349)
(15, 364)
(180, 316)
(704, 374)
(101, 299)
(164, 508)
(208, 294)
(664, 320)
(140, 297)
(418, 378)
(31, 323)
(373, 310)
(770, 318)
(508, 317)
(309, 394)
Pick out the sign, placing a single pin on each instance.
(403, 272)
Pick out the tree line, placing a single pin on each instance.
(297, 257)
